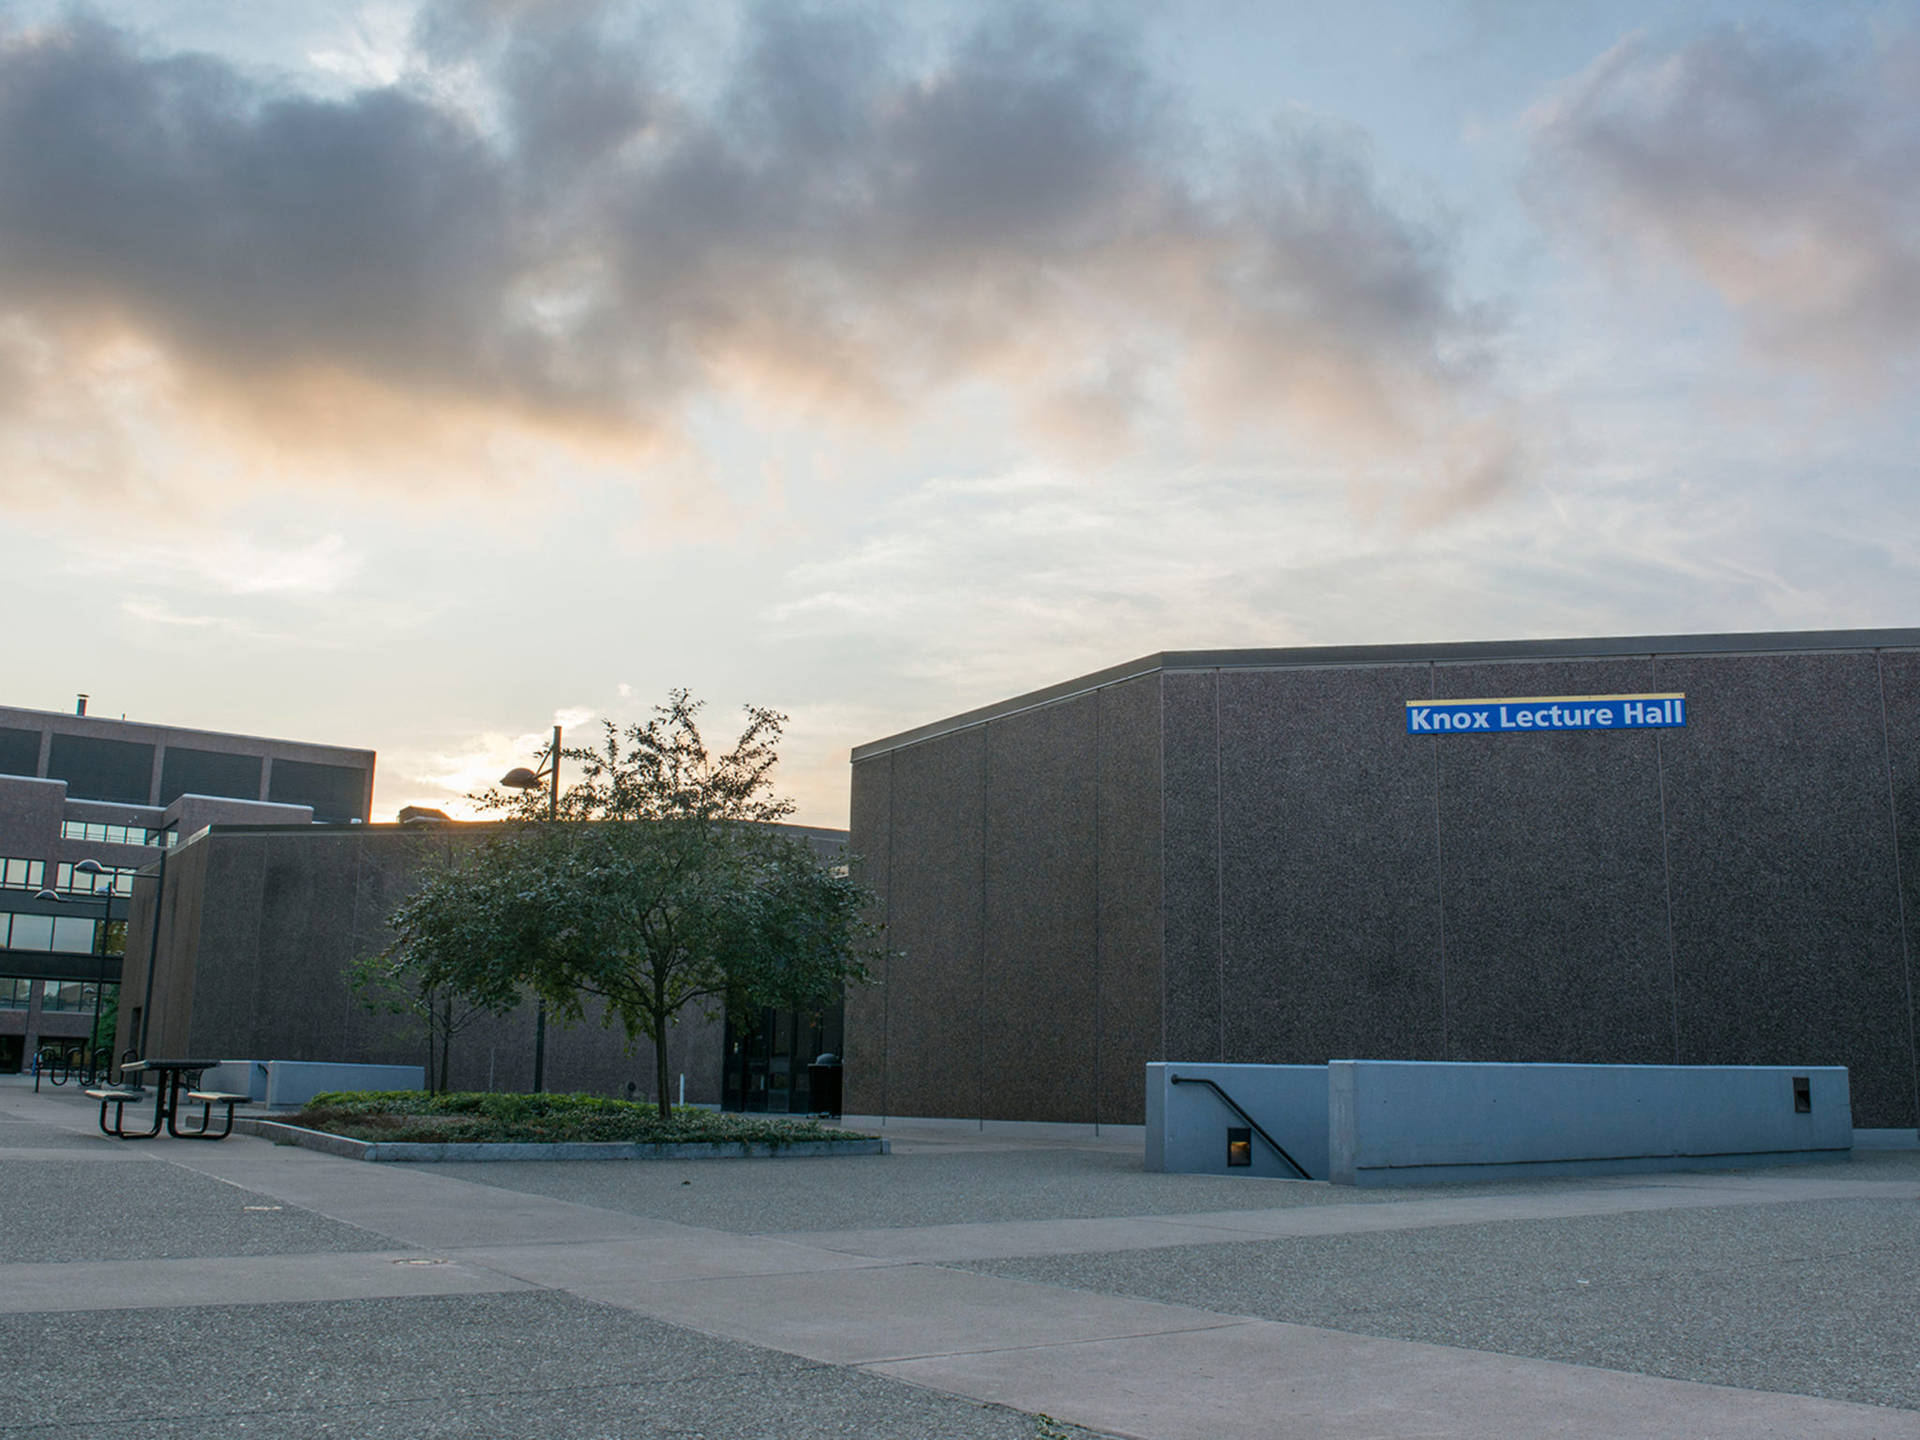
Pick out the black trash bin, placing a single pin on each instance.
(823, 1084)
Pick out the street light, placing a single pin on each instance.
(93, 870)
(521, 778)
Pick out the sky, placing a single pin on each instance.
(418, 376)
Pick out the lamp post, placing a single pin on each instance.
(93, 870)
(521, 778)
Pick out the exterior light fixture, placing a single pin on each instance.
(1239, 1146)
(521, 778)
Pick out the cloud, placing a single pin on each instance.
(228, 563)
(555, 222)
(1783, 175)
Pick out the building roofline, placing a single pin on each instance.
(388, 827)
(160, 730)
(1443, 652)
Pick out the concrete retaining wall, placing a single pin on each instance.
(1408, 1122)
(1187, 1123)
(294, 1082)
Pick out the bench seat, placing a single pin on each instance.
(116, 1094)
(216, 1097)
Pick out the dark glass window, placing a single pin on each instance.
(70, 996)
(15, 994)
(208, 772)
(337, 793)
(97, 769)
(19, 752)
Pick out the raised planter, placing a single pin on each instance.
(415, 1151)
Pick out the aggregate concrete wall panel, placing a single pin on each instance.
(936, 914)
(1128, 1030)
(170, 1029)
(1040, 991)
(383, 871)
(1553, 877)
(1328, 867)
(1900, 686)
(1190, 866)
(1785, 891)
(221, 977)
(870, 841)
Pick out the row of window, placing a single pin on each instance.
(22, 874)
(32, 875)
(62, 996)
(114, 879)
(59, 934)
(116, 834)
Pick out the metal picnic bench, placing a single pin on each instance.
(170, 1079)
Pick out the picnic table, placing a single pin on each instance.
(170, 1079)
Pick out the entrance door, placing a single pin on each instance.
(767, 1055)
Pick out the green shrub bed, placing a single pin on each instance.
(475, 1118)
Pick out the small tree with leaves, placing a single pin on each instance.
(683, 891)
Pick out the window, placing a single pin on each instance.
(337, 793)
(115, 834)
(59, 934)
(208, 772)
(67, 996)
(30, 932)
(96, 768)
(15, 994)
(19, 752)
(22, 874)
(117, 879)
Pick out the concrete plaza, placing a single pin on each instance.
(959, 1287)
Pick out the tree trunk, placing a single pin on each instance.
(446, 1040)
(660, 1021)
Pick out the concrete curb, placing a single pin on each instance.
(416, 1151)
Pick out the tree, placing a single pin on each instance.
(681, 891)
(462, 909)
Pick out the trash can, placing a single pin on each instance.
(823, 1084)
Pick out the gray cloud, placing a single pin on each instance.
(1784, 176)
(836, 220)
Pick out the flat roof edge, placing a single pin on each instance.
(1446, 651)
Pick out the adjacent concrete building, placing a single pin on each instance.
(258, 925)
(77, 788)
(1290, 856)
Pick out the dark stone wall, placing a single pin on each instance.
(1328, 868)
(936, 864)
(1727, 893)
(258, 933)
(1900, 690)
(870, 844)
(1018, 868)
(1261, 865)
(1127, 1031)
(1040, 977)
(1553, 877)
(1786, 893)
(1190, 861)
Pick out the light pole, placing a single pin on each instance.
(93, 870)
(521, 778)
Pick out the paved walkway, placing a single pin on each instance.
(956, 1288)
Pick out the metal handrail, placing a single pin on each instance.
(1232, 1105)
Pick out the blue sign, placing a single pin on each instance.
(1547, 712)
